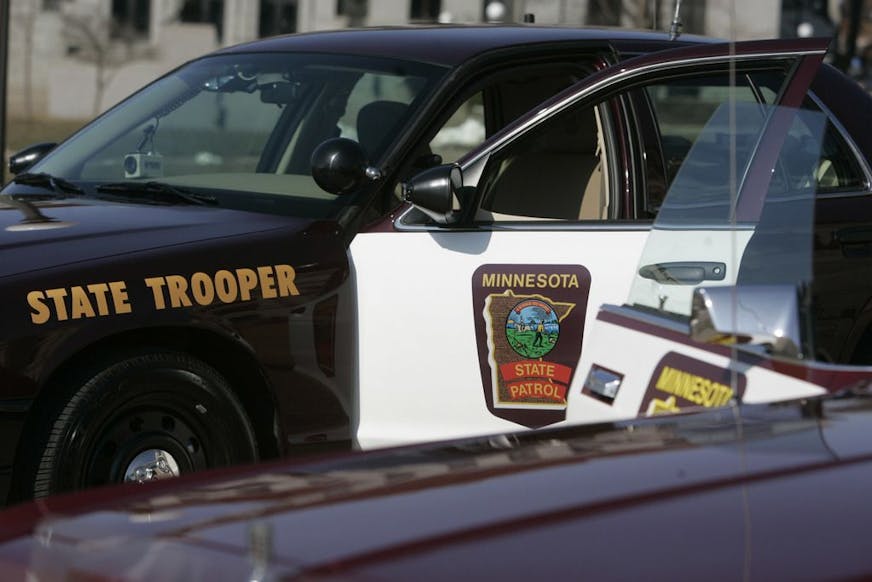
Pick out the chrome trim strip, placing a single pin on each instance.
(525, 226)
(737, 226)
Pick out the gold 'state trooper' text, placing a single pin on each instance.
(167, 292)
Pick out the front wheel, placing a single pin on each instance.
(148, 416)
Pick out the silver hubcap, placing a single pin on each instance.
(151, 465)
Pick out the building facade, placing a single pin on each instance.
(72, 59)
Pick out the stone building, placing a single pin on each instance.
(71, 59)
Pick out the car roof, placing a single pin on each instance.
(453, 45)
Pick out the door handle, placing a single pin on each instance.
(862, 234)
(684, 272)
(856, 243)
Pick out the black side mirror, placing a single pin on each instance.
(434, 192)
(340, 166)
(24, 159)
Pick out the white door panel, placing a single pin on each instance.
(417, 352)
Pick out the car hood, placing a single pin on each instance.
(391, 509)
(37, 235)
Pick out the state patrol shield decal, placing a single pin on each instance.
(529, 324)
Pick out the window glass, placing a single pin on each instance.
(554, 171)
(682, 106)
(242, 127)
(501, 99)
(837, 169)
(209, 132)
(505, 97)
(463, 131)
(713, 167)
(376, 105)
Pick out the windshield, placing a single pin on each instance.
(242, 127)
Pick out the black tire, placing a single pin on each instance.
(146, 401)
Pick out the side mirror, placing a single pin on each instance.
(24, 159)
(434, 191)
(758, 315)
(339, 166)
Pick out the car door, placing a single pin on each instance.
(475, 323)
(745, 277)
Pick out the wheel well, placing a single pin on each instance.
(231, 360)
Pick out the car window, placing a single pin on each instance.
(494, 103)
(243, 127)
(555, 172)
(377, 104)
(464, 130)
(501, 99)
(837, 169)
(559, 170)
(682, 106)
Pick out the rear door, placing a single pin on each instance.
(479, 326)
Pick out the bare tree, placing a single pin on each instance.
(100, 41)
(24, 19)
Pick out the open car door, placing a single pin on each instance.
(720, 309)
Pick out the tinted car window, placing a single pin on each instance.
(703, 188)
(837, 169)
(682, 106)
(377, 105)
(464, 130)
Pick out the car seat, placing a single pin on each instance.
(377, 125)
(557, 174)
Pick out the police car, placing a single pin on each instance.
(180, 293)
(271, 249)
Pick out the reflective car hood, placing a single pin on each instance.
(391, 512)
(50, 233)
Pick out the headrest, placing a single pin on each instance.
(576, 132)
(377, 123)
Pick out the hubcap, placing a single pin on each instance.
(151, 465)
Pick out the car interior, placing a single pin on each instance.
(554, 174)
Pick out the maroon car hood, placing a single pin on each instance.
(559, 502)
